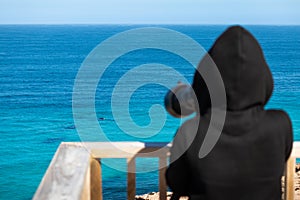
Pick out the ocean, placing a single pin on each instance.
(38, 67)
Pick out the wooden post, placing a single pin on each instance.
(96, 180)
(67, 175)
(131, 188)
(289, 179)
(162, 179)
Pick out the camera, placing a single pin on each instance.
(180, 100)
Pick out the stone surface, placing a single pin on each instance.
(155, 196)
(297, 182)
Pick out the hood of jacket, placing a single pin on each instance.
(247, 78)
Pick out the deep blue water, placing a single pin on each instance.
(38, 66)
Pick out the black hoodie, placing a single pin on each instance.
(248, 160)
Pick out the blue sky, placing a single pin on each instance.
(150, 12)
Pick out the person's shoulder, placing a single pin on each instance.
(283, 125)
(278, 113)
(280, 116)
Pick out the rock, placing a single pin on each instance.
(155, 196)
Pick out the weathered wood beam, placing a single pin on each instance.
(131, 179)
(66, 177)
(96, 180)
(290, 179)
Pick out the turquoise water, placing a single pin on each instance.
(38, 66)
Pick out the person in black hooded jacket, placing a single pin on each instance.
(248, 160)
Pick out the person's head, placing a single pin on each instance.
(247, 79)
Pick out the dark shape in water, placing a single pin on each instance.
(70, 127)
(102, 119)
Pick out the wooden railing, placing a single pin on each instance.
(75, 170)
(289, 185)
